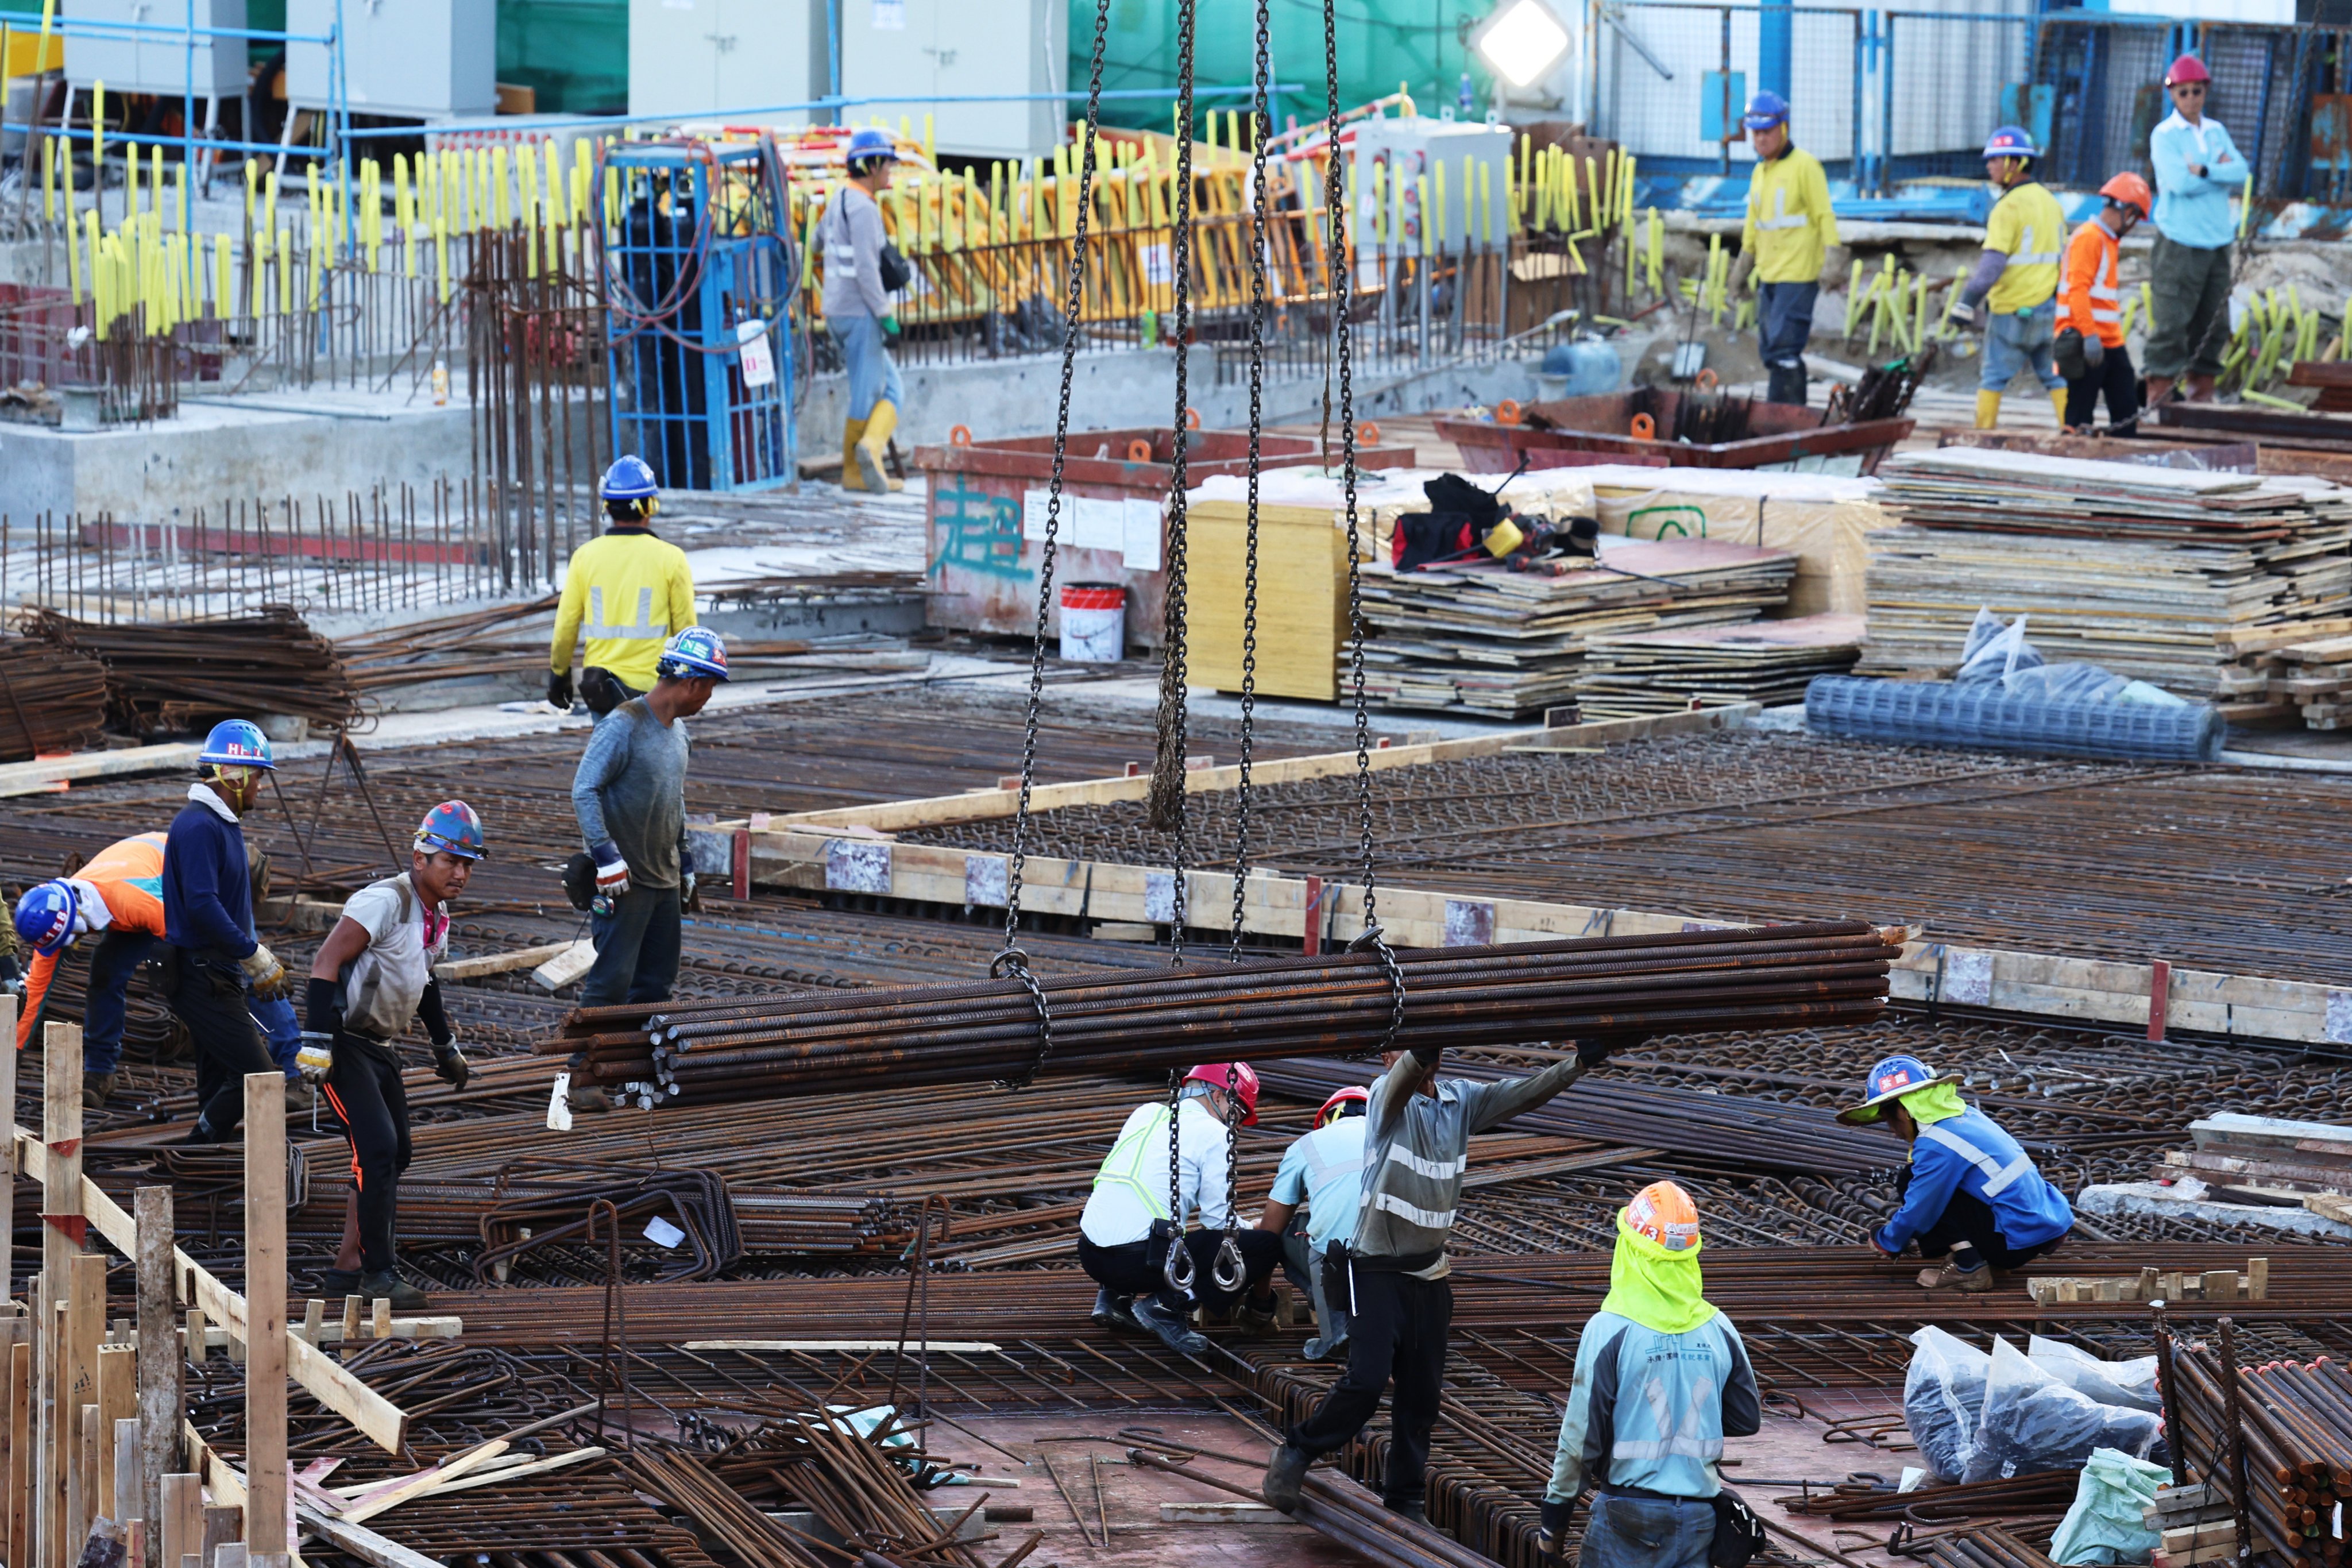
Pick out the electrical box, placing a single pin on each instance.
(1408, 153)
(407, 59)
(694, 59)
(158, 62)
(910, 52)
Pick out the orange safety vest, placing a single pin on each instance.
(2088, 298)
(129, 877)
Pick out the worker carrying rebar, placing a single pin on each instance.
(211, 953)
(2090, 348)
(629, 592)
(861, 272)
(1391, 1278)
(629, 795)
(2012, 291)
(1323, 1169)
(1661, 1379)
(1789, 228)
(2197, 168)
(1130, 1226)
(371, 978)
(1970, 1195)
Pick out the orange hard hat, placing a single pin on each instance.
(1663, 1213)
(2128, 190)
(1237, 1078)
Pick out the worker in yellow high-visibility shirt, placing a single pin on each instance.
(627, 591)
(2013, 291)
(1789, 228)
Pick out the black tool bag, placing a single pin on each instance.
(1738, 1533)
(1422, 537)
(2067, 350)
(580, 880)
(894, 268)
(1339, 1284)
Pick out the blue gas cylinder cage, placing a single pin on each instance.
(699, 275)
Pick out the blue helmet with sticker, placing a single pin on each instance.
(236, 744)
(1892, 1077)
(871, 144)
(694, 652)
(454, 827)
(44, 916)
(2011, 141)
(1765, 110)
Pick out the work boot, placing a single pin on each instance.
(95, 1087)
(1173, 1331)
(2200, 389)
(1987, 409)
(871, 447)
(1410, 1508)
(1316, 1349)
(1251, 1318)
(389, 1287)
(300, 1098)
(1115, 1311)
(2158, 388)
(334, 1284)
(1975, 1282)
(1285, 1473)
(2058, 406)
(852, 432)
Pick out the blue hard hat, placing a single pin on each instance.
(1893, 1076)
(2011, 141)
(44, 916)
(629, 479)
(1765, 110)
(236, 744)
(873, 142)
(452, 825)
(696, 651)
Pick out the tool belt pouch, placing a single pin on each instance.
(580, 880)
(2067, 350)
(1156, 1245)
(1339, 1284)
(1738, 1533)
(602, 690)
(894, 271)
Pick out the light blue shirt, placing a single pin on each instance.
(1326, 1168)
(2194, 209)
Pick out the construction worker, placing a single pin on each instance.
(1789, 227)
(1971, 1194)
(371, 978)
(2197, 168)
(1417, 1131)
(2090, 349)
(627, 590)
(857, 309)
(2013, 291)
(1324, 1170)
(1661, 1379)
(629, 795)
(1130, 1226)
(211, 953)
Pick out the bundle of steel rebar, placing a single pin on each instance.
(183, 674)
(1992, 1547)
(1752, 978)
(52, 700)
(2273, 1441)
(2039, 1491)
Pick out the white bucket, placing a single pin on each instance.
(1094, 623)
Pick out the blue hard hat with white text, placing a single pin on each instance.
(2011, 141)
(694, 652)
(236, 744)
(1892, 1077)
(452, 825)
(44, 916)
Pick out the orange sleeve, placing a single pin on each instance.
(37, 986)
(2082, 256)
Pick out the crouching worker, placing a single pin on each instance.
(1971, 1194)
(1324, 1169)
(372, 977)
(1130, 1226)
(1661, 1380)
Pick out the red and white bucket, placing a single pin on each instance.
(1094, 623)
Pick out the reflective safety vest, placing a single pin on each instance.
(1123, 1166)
(1971, 1153)
(2090, 301)
(628, 592)
(2028, 227)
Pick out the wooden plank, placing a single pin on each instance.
(266, 1345)
(357, 1540)
(128, 1481)
(118, 1400)
(162, 1360)
(85, 1332)
(23, 1470)
(39, 776)
(181, 1526)
(498, 962)
(60, 1177)
(425, 1480)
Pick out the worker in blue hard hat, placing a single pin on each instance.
(629, 592)
(1789, 230)
(861, 272)
(629, 795)
(211, 953)
(1971, 1196)
(2013, 292)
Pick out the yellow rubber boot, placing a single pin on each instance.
(873, 445)
(2058, 405)
(851, 479)
(1987, 409)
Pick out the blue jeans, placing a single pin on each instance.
(1784, 322)
(2017, 342)
(279, 1027)
(112, 963)
(636, 949)
(1648, 1533)
(872, 376)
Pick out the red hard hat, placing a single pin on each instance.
(1339, 1096)
(1235, 1078)
(2129, 190)
(2187, 68)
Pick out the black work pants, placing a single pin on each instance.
(208, 996)
(636, 949)
(1966, 1226)
(1398, 1329)
(1127, 1269)
(2114, 378)
(365, 1092)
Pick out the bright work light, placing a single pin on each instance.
(1522, 41)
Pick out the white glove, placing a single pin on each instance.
(611, 871)
(263, 973)
(316, 1059)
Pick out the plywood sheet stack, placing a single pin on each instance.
(2264, 1160)
(1483, 638)
(2164, 574)
(1822, 518)
(1713, 666)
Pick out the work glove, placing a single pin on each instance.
(316, 1059)
(890, 324)
(1555, 1517)
(1980, 317)
(1592, 1053)
(1739, 271)
(264, 973)
(611, 871)
(449, 1063)
(559, 689)
(690, 894)
(2093, 352)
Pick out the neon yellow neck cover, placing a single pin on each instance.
(1657, 1288)
(1937, 1102)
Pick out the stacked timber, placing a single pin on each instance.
(1713, 666)
(2264, 1160)
(1480, 638)
(2164, 574)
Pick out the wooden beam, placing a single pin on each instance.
(40, 776)
(498, 962)
(61, 1178)
(267, 1343)
(357, 1540)
(181, 1528)
(85, 1332)
(162, 1361)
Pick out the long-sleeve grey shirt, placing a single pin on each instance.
(851, 232)
(631, 788)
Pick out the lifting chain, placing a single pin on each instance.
(1261, 130)
(1231, 1271)
(1177, 1269)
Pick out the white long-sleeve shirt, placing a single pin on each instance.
(1131, 1188)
